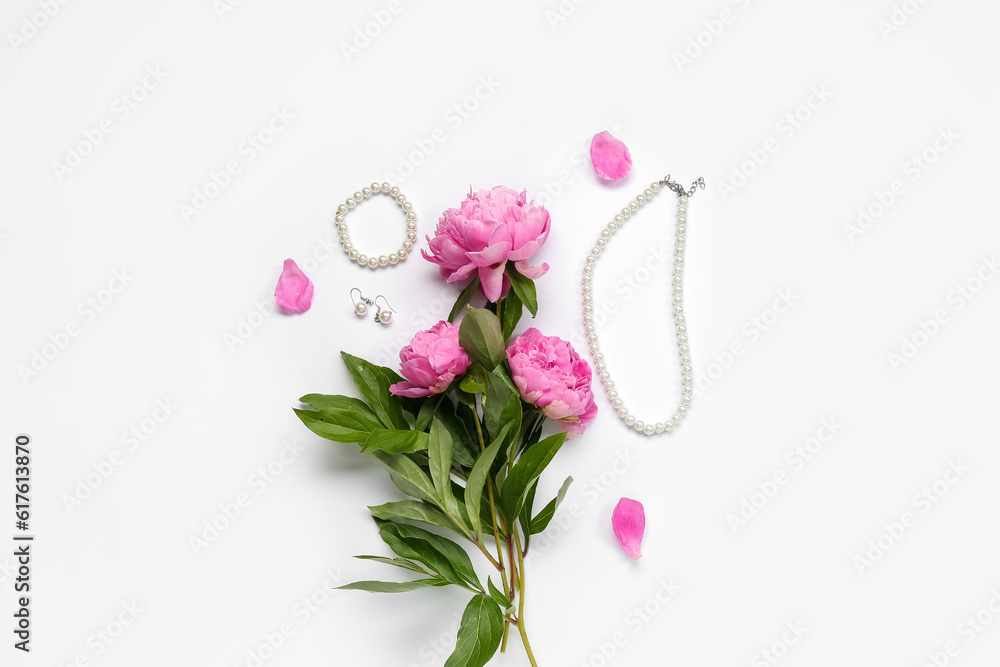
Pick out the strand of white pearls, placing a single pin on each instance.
(391, 259)
(687, 381)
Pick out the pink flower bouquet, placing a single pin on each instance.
(460, 431)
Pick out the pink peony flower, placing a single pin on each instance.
(610, 156)
(294, 292)
(490, 228)
(431, 362)
(629, 522)
(551, 375)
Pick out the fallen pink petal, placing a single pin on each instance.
(610, 156)
(294, 292)
(629, 522)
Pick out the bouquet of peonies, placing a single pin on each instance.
(460, 432)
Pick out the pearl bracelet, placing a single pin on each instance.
(345, 238)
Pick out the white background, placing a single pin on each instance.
(555, 78)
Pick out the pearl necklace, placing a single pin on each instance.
(411, 226)
(687, 383)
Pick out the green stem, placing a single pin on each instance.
(493, 509)
(520, 608)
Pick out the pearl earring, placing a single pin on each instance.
(384, 315)
(361, 304)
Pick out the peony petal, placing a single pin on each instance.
(532, 272)
(629, 522)
(294, 292)
(408, 389)
(610, 156)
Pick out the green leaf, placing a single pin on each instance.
(438, 553)
(393, 586)
(475, 483)
(465, 447)
(525, 473)
(481, 337)
(397, 562)
(406, 474)
(427, 410)
(510, 314)
(336, 425)
(439, 446)
(463, 299)
(474, 381)
(373, 385)
(479, 634)
(412, 510)
(344, 403)
(503, 402)
(395, 442)
(524, 288)
(541, 520)
(505, 602)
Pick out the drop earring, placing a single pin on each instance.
(384, 315)
(361, 304)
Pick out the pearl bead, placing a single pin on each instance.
(348, 246)
(410, 215)
(386, 187)
(402, 254)
(407, 206)
(639, 425)
(626, 211)
(654, 186)
(640, 200)
(411, 235)
(682, 409)
(362, 259)
(385, 316)
(616, 403)
(394, 191)
(686, 389)
(393, 258)
(361, 308)
(649, 429)
(375, 187)
(686, 400)
(358, 196)
(411, 225)
(344, 238)
(648, 193)
(407, 244)
(341, 210)
(630, 420)
(619, 218)
(633, 206)
(669, 426)
(659, 427)
(339, 218)
(622, 412)
(372, 262)
(383, 260)
(400, 198)
(366, 192)
(350, 203)
(353, 254)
